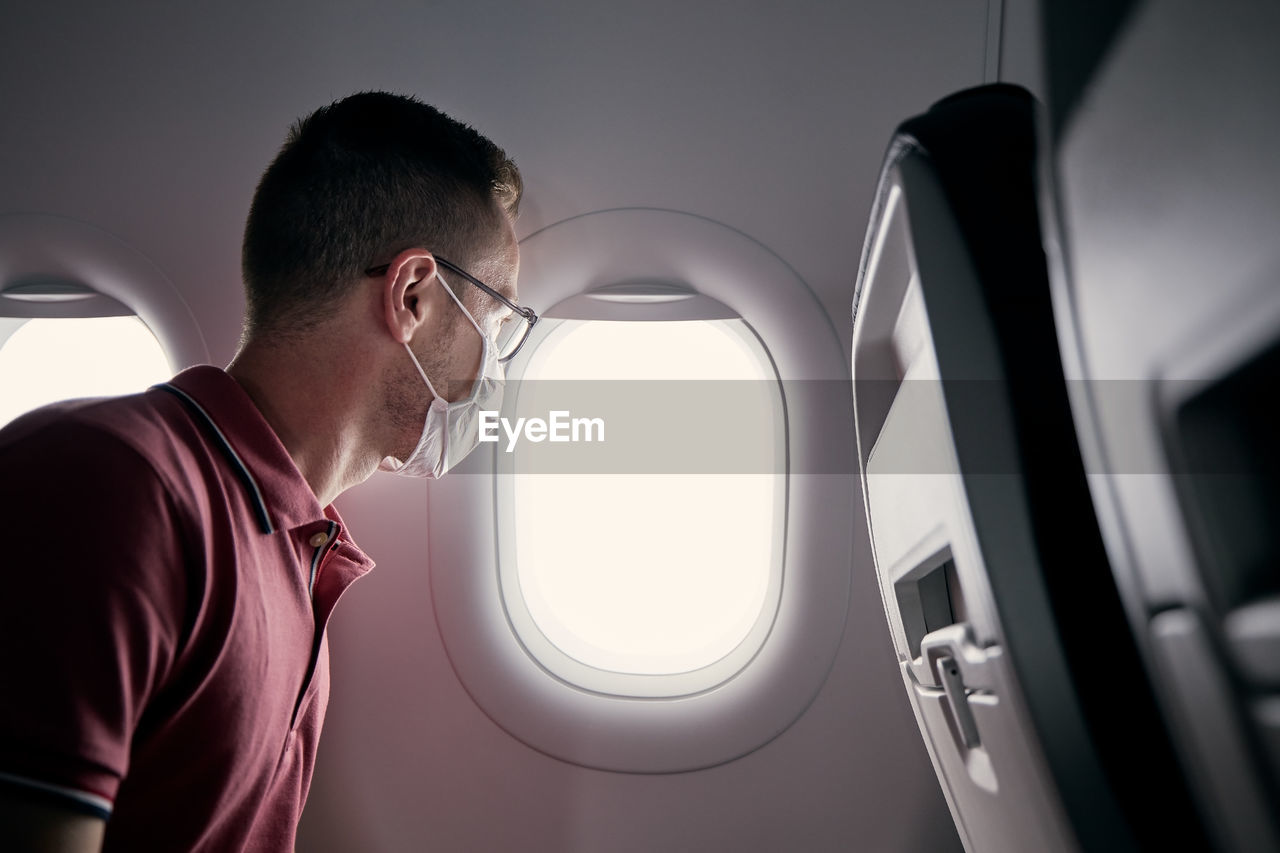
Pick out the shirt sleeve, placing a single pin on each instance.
(91, 606)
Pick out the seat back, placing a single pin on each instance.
(1013, 645)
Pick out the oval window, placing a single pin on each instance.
(618, 601)
(653, 568)
(47, 359)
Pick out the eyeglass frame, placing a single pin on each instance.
(529, 315)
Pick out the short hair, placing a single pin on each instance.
(357, 181)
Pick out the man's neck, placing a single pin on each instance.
(315, 403)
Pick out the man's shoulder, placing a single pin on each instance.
(146, 431)
(131, 419)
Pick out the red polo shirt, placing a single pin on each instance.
(168, 574)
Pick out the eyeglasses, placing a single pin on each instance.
(512, 335)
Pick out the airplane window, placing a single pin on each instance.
(651, 565)
(699, 555)
(48, 359)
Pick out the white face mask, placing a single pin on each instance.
(451, 430)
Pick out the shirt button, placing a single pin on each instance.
(319, 539)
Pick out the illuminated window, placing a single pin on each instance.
(653, 564)
(657, 570)
(48, 359)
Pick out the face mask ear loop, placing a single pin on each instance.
(414, 358)
(421, 372)
(461, 307)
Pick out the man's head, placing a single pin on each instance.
(356, 182)
(341, 276)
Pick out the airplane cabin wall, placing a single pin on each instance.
(411, 763)
(153, 121)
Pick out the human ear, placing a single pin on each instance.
(405, 287)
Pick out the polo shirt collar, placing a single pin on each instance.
(283, 498)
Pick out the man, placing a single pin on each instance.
(172, 557)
